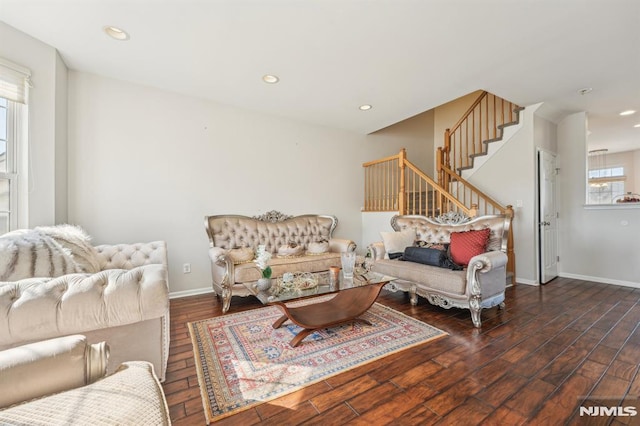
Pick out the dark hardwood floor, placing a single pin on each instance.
(529, 364)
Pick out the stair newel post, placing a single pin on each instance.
(402, 196)
(447, 148)
(511, 256)
(439, 170)
(473, 211)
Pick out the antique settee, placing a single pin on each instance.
(62, 381)
(477, 285)
(54, 283)
(274, 230)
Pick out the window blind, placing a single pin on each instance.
(14, 81)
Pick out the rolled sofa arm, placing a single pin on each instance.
(377, 250)
(221, 266)
(487, 261)
(487, 274)
(339, 245)
(50, 366)
(217, 255)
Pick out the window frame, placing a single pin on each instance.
(11, 174)
(608, 177)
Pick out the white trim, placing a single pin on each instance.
(612, 206)
(526, 282)
(600, 280)
(187, 293)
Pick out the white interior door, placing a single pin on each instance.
(548, 217)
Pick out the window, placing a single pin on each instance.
(14, 84)
(606, 184)
(8, 190)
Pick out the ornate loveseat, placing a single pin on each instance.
(479, 285)
(273, 230)
(113, 293)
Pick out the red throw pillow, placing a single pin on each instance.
(465, 245)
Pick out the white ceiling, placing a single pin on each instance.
(403, 57)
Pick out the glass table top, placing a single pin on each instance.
(307, 284)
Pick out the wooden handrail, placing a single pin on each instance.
(482, 122)
(394, 183)
(469, 111)
(458, 178)
(442, 192)
(381, 160)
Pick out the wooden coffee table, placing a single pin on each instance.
(353, 297)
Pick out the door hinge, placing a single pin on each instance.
(557, 258)
(557, 215)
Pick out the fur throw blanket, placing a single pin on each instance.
(46, 251)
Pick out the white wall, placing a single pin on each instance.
(415, 133)
(47, 123)
(146, 164)
(596, 243)
(509, 176)
(372, 224)
(636, 175)
(545, 134)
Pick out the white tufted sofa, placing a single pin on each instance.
(480, 285)
(273, 229)
(125, 304)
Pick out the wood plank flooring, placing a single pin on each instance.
(529, 364)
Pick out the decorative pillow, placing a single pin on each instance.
(241, 255)
(290, 250)
(465, 245)
(318, 247)
(46, 251)
(425, 255)
(74, 239)
(396, 242)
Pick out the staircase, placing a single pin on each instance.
(483, 124)
(395, 184)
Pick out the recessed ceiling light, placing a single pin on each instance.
(271, 79)
(628, 112)
(116, 33)
(637, 125)
(365, 107)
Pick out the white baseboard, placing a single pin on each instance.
(187, 293)
(600, 280)
(525, 281)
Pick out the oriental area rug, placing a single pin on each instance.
(243, 362)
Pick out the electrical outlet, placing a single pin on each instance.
(186, 268)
